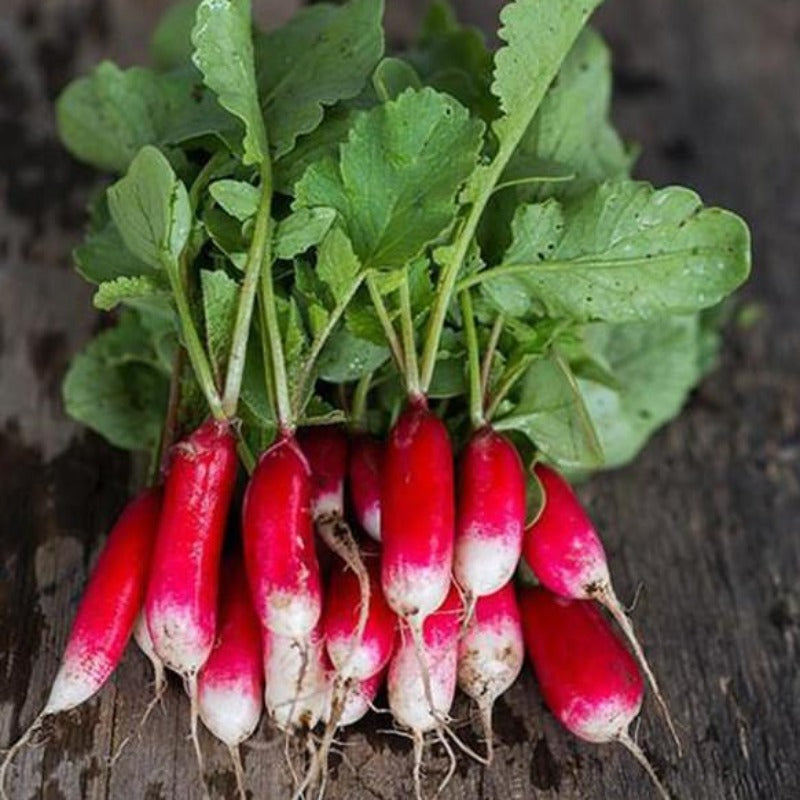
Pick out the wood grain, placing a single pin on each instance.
(707, 518)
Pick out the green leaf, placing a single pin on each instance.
(550, 411)
(103, 256)
(454, 59)
(115, 388)
(223, 52)
(302, 229)
(324, 54)
(220, 301)
(623, 252)
(346, 357)
(105, 118)
(396, 180)
(237, 198)
(322, 142)
(392, 77)
(655, 366)
(337, 264)
(572, 127)
(130, 289)
(171, 43)
(150, 207)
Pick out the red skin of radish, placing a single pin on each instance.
(417, 513)
(491, 651)
(491, 513)
(364, 472)
(325, 448)
(278, 534)
(110, 605)
(407, 698)
(587, 677)
(342, 599)
(562, 546)
(231, 682)
(181, 601)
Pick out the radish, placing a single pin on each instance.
(352, 657)
(296, 683)
(418, 706)
(490, 653)
(106, 614)
(231, 682)
(278, 540)
(587, 677)
(325, 448)
(491, 514)
(417, 514)
(181, 601)
(567, 556)
(364, 472)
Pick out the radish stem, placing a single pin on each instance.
(358, 408)
(385, 320)
(488, 356)
(272, 331)
(258, 256)
(409, 345)
(473, 362)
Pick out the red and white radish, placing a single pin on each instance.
(278, 536)
(231, 682)
(359, 700)
(566, 555)
(352, 656)
(417, 514)
(181, 601)
(490, 653)
(364, 474)
(141, 635)
(415, 705)
(325, 447)
(587, 677)
(491, 514)
(106, 614)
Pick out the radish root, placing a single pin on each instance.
(33, 728)
(194, 715)
(485, 711)
(606, 596)
(415, 626)
(238, 770)
(625, 740)
(419, 744)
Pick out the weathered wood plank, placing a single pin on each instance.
(706, 518)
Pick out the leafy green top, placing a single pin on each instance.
(375, 190)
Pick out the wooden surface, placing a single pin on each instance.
(707, 518)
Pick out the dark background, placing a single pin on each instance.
(707, 518)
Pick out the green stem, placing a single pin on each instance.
(533, 179)
(489, 177)
(506, 384)
(169, 430)
(303, 383)
(409, 345)
(194, 347)
(258, 255)
(246, 456)
(272, 330)
(204, 176)
(488, 356)
(473, 362)
(358, 408)
(385, 320)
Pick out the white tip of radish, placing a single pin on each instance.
(229, 711)
(483, 565)
(292, 614)
(358, 661)
(428, 586)
(72, 686)
(178, 640)
(328, 503)
(407, 696)
(600, 722)
(489, 661)
(371, 521)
